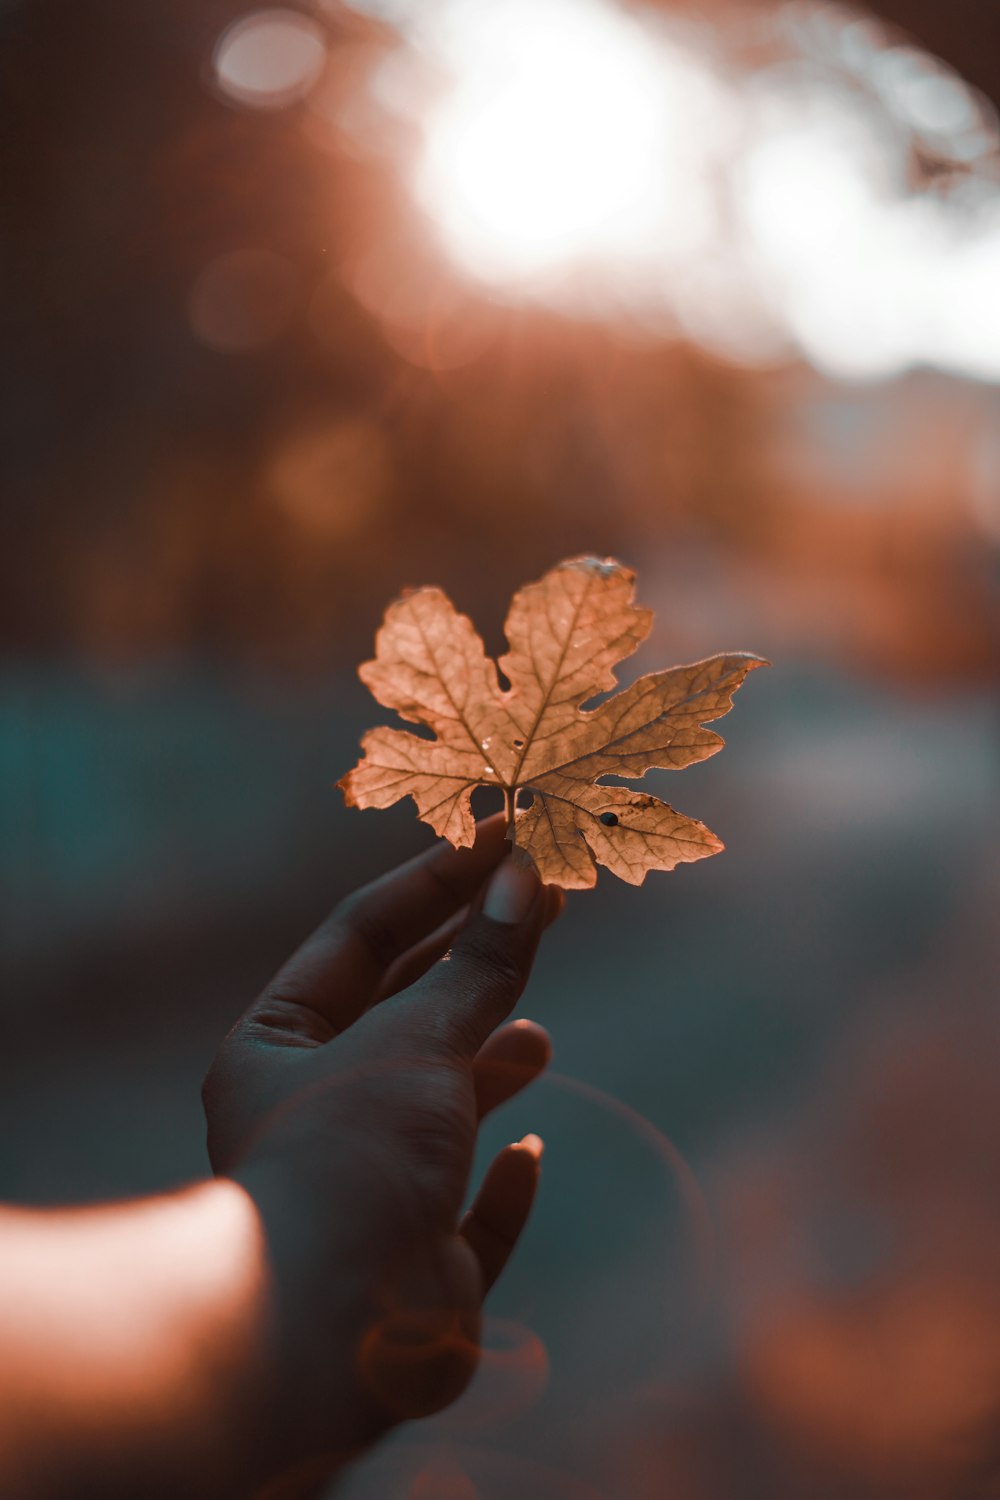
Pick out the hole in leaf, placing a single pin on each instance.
(610, 820)
(524, 800)
(518, 744)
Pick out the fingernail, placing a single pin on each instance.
(511, 893)
(533, 1144)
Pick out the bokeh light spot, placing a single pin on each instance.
(242, 300)
(333, 479)
(442, 1479)
(414, 1363)
(407, 1470)
(924, 93)
(512, 1375)
(431, 319)
(269, 59)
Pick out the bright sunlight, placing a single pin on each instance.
(815, 188)
(555, 144)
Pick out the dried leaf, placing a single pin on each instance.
(566, 633)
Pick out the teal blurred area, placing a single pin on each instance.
(143, 805)
(763, 1261)
(163, 829)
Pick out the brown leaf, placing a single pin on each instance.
(566, 633)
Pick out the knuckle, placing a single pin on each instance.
(448, 888)
(360, 919)
(284, 1016)
(427, 1123)
(449, 1032)
(483, 981)
(437, 1116)
(489, 968)
(438, 1156)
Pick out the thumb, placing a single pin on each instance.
(459, 1002)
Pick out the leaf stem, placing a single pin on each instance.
(509, 796)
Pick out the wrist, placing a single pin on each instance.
(319, 1303)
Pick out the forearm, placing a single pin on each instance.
(133, 1347)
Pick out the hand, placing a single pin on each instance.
(346, 1101)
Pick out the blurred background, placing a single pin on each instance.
(304, 305)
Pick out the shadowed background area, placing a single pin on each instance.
(302, 306)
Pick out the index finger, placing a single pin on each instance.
(336, 974)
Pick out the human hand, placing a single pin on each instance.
(346, 1101)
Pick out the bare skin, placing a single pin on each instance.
(252, 1333)
(346, 1101)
